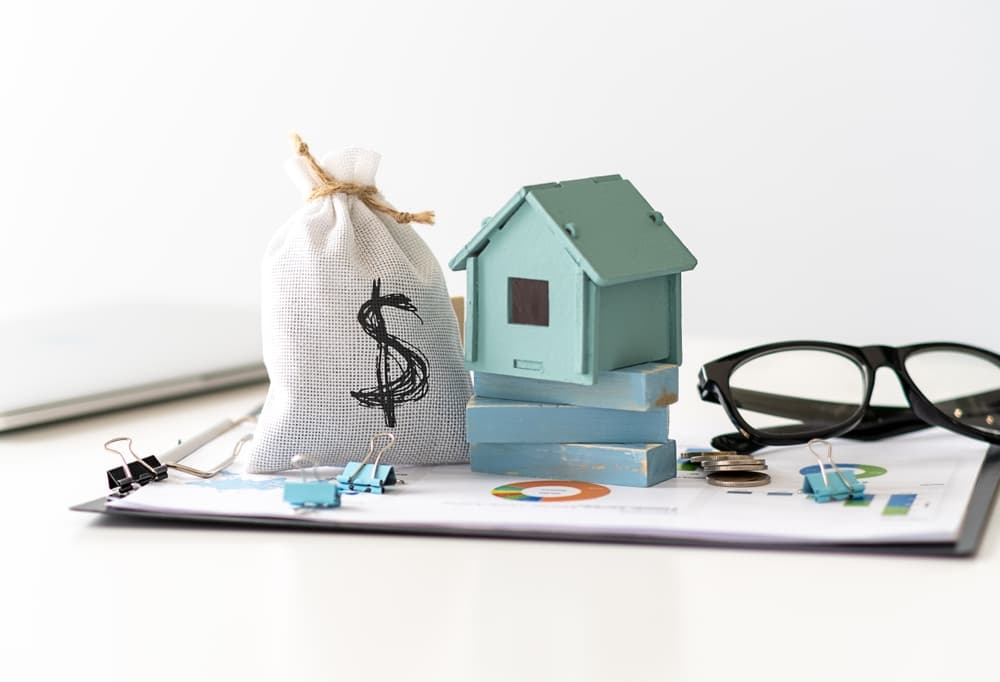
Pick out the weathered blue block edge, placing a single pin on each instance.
(630, 464)
(493, 420)
(638, 388)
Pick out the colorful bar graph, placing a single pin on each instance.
(899, 505)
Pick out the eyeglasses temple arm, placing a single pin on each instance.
(883, 422)
(877, 422)
(801, 409)
(971, 406)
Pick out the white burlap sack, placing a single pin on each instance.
(359, 333)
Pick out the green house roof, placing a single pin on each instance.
(605, 224)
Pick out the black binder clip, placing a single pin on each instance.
(141, 471)
(363, 477)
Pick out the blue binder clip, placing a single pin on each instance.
(311, 494)
(825, 488)
(363, 477)
(139, 472)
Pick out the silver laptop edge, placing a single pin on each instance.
(131, 397)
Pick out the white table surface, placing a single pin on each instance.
(84, 597)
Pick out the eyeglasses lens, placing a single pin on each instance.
(963, 385)
(798, 392)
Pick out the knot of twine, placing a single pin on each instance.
(366, 193)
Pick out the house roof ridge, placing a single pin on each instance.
(584, 212)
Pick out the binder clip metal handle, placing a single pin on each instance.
(824, 488)
(363, 477)
(305, 493)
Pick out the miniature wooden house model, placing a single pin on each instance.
(570, 279)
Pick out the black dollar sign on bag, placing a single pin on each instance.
(410, 382)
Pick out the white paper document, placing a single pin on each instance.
(917, 489)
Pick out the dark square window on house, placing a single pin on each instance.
(529, 301)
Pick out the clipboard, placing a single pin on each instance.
(976, 518)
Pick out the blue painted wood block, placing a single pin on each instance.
(632, 464)
(639, 388)
(491, 420)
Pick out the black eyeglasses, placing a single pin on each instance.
(788, 393)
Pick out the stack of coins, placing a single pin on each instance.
(731, 469)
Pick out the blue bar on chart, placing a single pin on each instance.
(899, 505)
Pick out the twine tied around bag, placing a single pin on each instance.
(366, 193)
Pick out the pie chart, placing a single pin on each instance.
(550, 491)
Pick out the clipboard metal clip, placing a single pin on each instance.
(175, 457)
(218, 468)
(144, 470)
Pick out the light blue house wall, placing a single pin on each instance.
(523, 249)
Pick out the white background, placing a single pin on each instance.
(834, 166)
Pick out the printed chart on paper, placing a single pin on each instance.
(917, 490)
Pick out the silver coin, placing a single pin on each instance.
(732, 462)
(738, 479)
(742, 466)
(722, 470)
(720, 457)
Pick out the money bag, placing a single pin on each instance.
(359, 334)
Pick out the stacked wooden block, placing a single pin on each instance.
(615, 431)
(570, 286)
